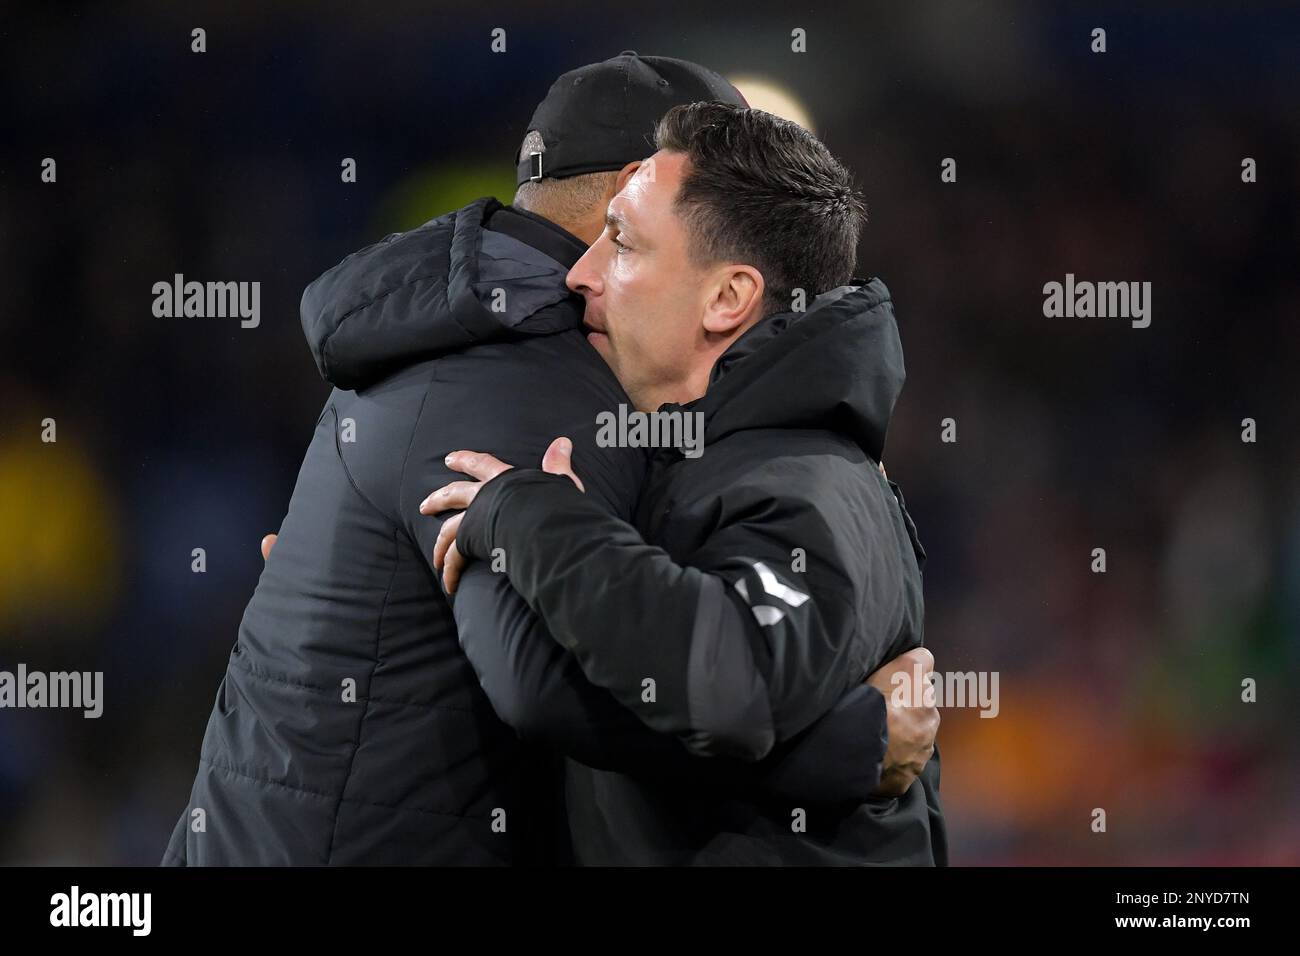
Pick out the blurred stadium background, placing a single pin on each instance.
(1118, 690)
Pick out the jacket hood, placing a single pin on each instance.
(443, 286)
(837, 366)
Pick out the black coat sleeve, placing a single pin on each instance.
(729, 652)
(538, 689)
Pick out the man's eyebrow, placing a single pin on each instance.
(618, 223)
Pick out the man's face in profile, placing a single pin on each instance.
(643, 294)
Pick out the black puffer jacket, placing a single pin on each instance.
(349, 726)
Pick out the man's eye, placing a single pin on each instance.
(621, 247)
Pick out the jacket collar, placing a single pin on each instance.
(540, 233)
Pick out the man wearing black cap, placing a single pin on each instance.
(349, 726)
(592, 126)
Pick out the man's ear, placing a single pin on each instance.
(736, 302)
(624, 174)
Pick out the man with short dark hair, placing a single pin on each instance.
(797, 219)
(768, 575)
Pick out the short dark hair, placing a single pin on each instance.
(764, 191)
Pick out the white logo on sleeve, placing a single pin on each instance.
(767, 614)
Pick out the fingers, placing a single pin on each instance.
(476, 464)
(446, 538)
(452, 570)
(558, 460)
(267, 544)
(558, 457)
(919, 655)
(456, 496)
(895, 782)
(913, 669)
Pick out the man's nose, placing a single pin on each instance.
(584, 277)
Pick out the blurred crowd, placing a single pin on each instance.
(1119, 690)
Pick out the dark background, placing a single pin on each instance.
(1119, 690)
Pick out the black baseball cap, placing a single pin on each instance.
(602, 116)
